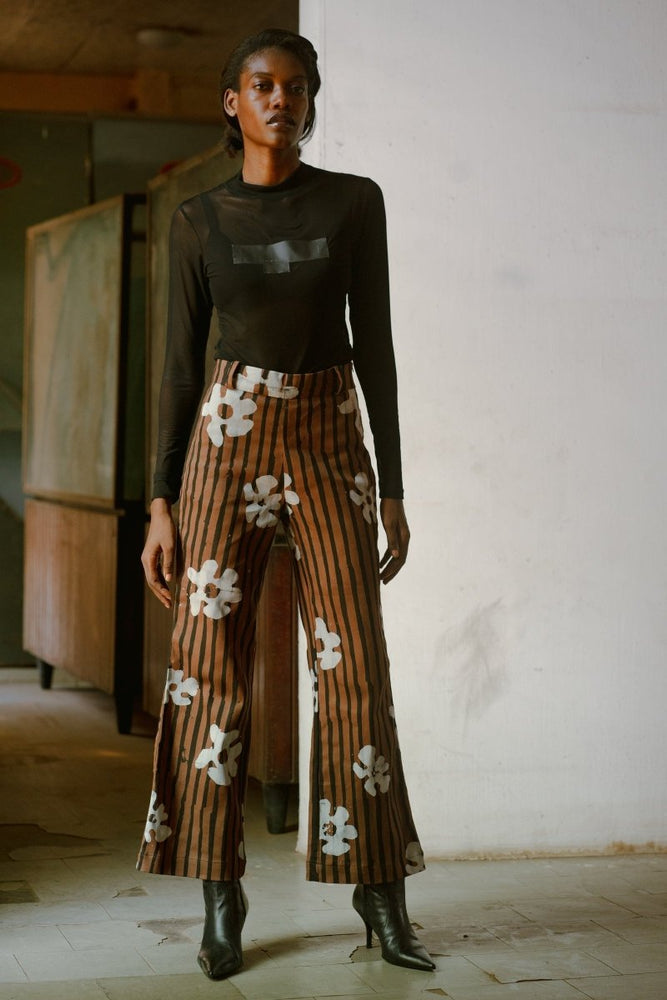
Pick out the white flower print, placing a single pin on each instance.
(291, 541)
(215, 605)
(261, 502)
(291, 498)
(374, 770)
(241, 850)
(334, 829)
(180, 691)
(414, 858)
(236, 425)
(221, 756)
(351, 405)
(252, 378)
(329, 657)
(365, 498)
(155, 822)
(316, 698)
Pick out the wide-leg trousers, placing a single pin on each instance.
(268, 448)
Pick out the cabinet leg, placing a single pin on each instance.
(45, 674)
(124, 704)
(275, 806)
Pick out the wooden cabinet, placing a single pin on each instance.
(82, 608)
(83, 462)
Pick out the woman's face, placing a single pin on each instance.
(272, 102)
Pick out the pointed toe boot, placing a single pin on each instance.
(226, 904)
(382, 909)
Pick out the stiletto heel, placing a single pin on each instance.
(382, 909)
(226, 904)
(369, 935)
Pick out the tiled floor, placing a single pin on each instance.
(77, 921)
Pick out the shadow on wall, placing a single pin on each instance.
(474, 654)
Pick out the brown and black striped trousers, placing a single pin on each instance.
(272, 447)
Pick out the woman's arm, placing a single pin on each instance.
(159, 551)
(373, 350)
(188, 322)
(370, 318)
(395, 524)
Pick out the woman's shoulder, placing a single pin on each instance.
(352, 192)
(346, 181)
(196, 203)
(197, 212)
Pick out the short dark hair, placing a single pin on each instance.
(270, 38)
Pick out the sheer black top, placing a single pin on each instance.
(279, 264)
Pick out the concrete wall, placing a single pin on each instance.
(521, 147)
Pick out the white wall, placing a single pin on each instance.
(521, 146)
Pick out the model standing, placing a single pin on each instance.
(278, 251)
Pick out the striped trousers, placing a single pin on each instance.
(270, 447)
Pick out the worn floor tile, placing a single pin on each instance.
(579, 907)
(647, 881)
(194, 986)
(280, 984)
(74, 911)
(644, 904)
(23, 938)
(570, 935)
(407, 993)
(82, 989)
(518, 991)
(140, 908)
(630, 959)
(460, 941)
(12, 869)
(484, 914)
(652, 986)
(89, 964)
(107, 884)
(545, 964)
(10, 970)
(263, 922)
(639, 930)
(330, 921)
(121, 934)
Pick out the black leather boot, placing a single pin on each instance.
(220, 954)
(382, 909)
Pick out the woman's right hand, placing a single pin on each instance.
(160, 550)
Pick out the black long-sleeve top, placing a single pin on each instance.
(279, 264)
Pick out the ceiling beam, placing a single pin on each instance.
(145, 93)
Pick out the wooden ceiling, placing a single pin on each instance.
(100, 36)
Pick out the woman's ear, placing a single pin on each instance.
(229, 102)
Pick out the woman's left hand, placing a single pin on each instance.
(396, 529)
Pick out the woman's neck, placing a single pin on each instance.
(269, 166)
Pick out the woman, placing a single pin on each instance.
(278, 250)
